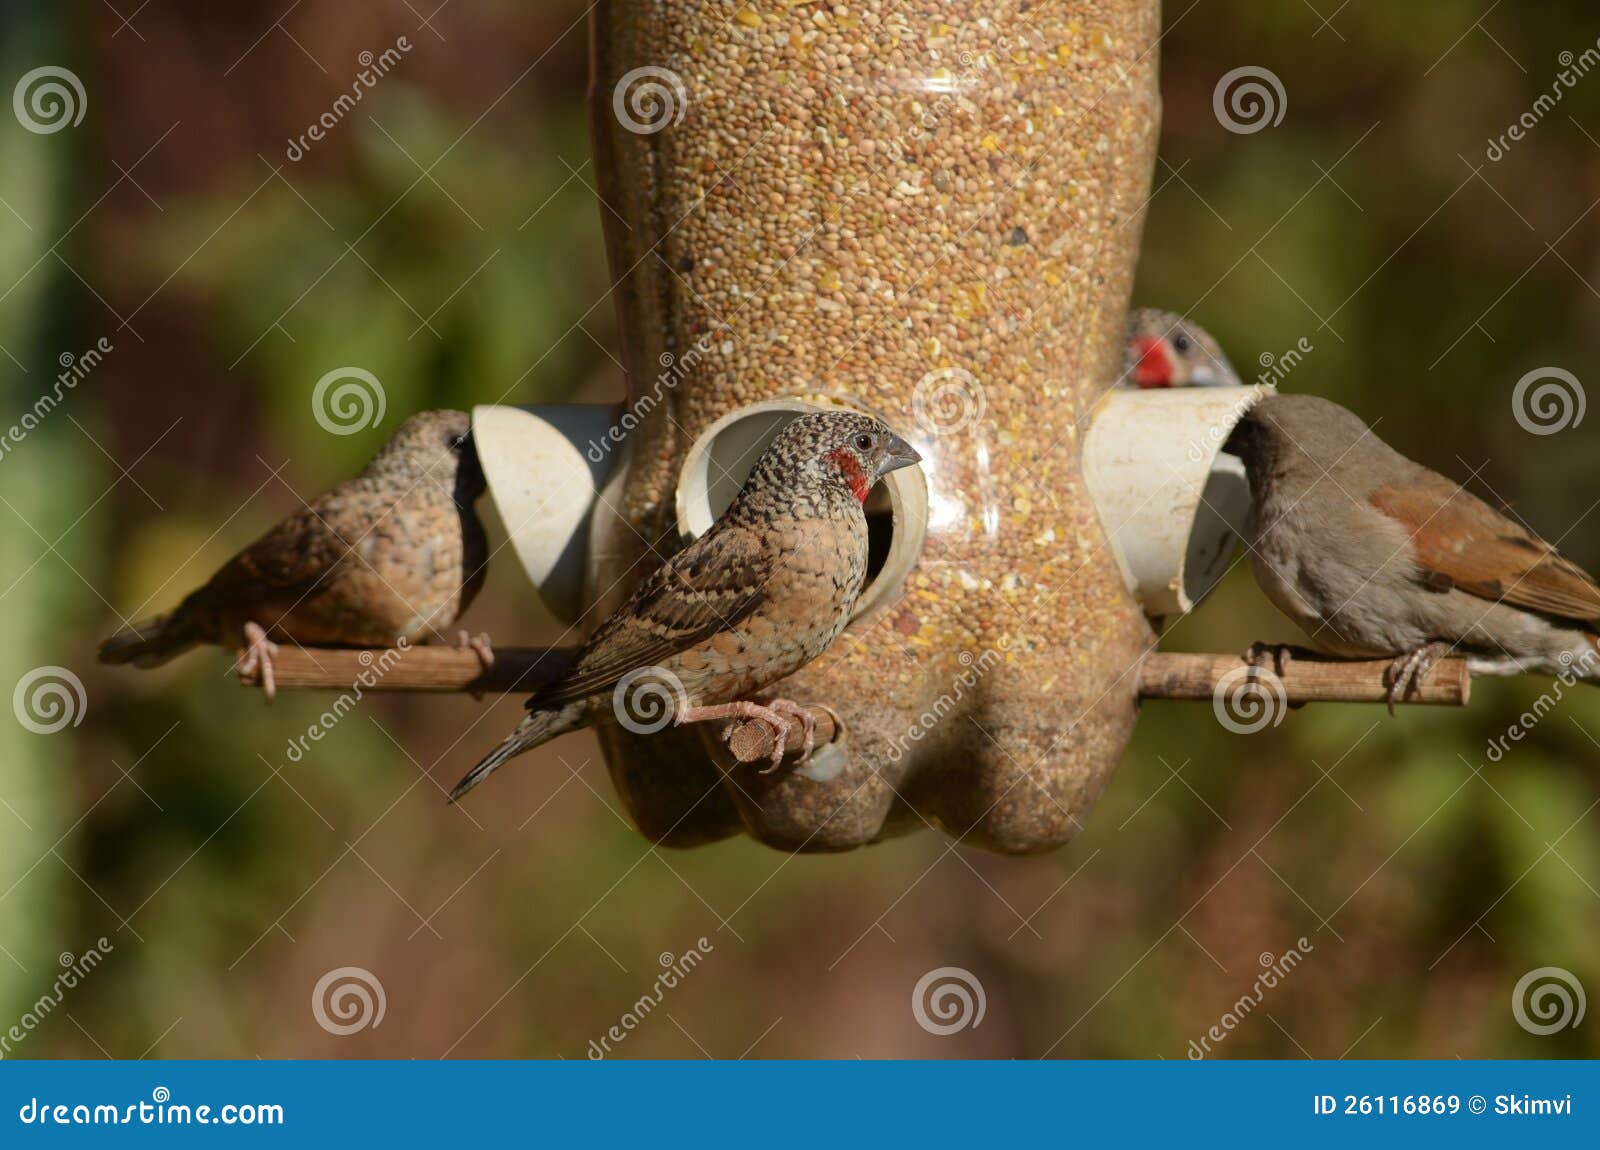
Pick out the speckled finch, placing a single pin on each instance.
(1165, 350)
(753, 600)
(395, 553)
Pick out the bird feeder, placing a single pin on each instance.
(928, 210)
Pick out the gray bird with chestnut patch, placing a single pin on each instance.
(1375, 555)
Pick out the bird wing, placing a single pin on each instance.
(291, 559)
(708, 587)
(1462, 542)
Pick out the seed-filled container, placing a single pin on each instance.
(929, 210)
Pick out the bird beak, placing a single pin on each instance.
(898, 454)
(1204, 375)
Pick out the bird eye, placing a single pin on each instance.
(865, 441)
(1182, 343)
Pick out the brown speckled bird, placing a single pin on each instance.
(1165, 350)
(397, 552)
(753, 600)
(1374, 555)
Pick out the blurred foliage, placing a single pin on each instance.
(524, 273)
(41, 481)
(446, 238)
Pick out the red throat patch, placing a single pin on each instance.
(854, 474)
(1154, 367)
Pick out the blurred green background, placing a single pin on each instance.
(445, 236)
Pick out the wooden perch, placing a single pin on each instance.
(1309, 678)
(412, 669)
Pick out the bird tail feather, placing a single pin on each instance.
(151, 642)
(538, 727)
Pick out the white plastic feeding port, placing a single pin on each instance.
(543, 466)
(718, 463)
(1171, 501)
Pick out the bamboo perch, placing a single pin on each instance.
(1309, 678)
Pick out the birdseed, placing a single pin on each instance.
(854, 199)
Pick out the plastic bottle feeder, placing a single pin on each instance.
(929, 210)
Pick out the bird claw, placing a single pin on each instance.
(1282, 655)
(808, 726)
(743, 709)
(479, 645)
(1406, 671)
(259, 651)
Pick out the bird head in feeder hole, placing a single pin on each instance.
(1164, 349)
(849, 452)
